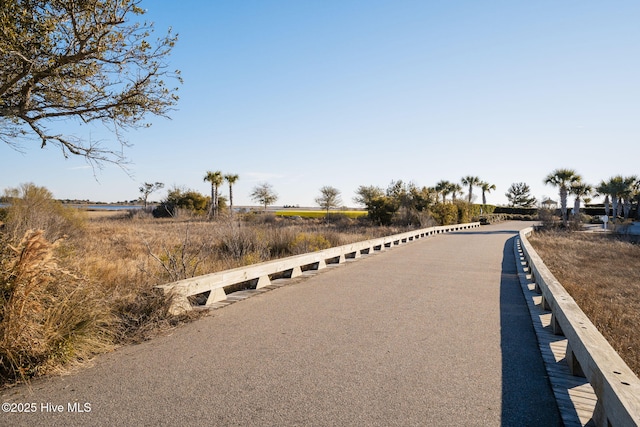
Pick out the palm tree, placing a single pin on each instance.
(455, 189)
(443, 187)
(605, 188)
(471, 181)
(563, 178)
(486, 188)
(580, 190)
(216, 179)
(231, 179)
(617, 187)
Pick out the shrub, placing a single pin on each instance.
(487, 209)
(382, 209)
(142, 313)
(510, 210)
(308, 242)
(278, 240)
(240, 243)
(445, 213)
(576, 222)
(33, 207)
(260, 217)
(467, 212)
(411, 217)
(339, 219)
(181, 200)
(548, 219)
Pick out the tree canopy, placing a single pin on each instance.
(366, 193)
(147, 188)
(88, 61)
(519, 195)
(329, 198)
(471, 181)
(264, 194)
(486, 187)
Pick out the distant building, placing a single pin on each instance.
(549, 204)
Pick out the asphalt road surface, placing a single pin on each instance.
(432, 333)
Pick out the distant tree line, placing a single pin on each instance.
(400, 203)
(407, 204)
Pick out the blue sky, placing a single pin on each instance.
(307, 93)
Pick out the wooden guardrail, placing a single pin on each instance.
(260, 275)
(588, 353)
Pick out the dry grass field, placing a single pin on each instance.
(602, 273)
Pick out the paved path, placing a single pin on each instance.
(433, 333)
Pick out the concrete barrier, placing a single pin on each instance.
(260, 275)
(588, 353)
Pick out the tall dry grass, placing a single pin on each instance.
(49, 316)
(602, 273)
